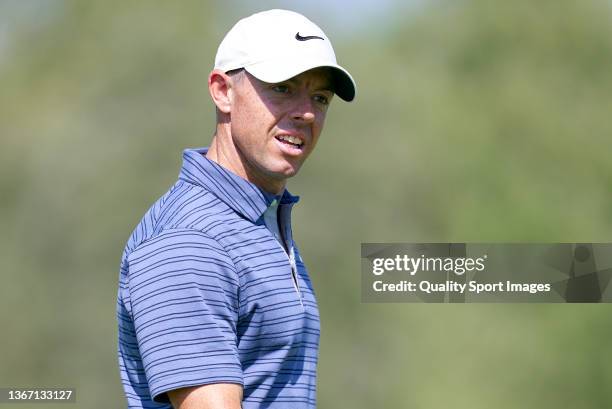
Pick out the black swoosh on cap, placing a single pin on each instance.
(305, 38)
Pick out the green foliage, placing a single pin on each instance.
(474, 121)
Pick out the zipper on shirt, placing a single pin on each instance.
(288, 250)
(294, 274)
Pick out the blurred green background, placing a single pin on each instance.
(475, 120)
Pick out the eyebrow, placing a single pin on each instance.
(327, 85)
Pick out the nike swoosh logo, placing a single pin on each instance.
(306, 38)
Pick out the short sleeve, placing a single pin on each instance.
(184, 297)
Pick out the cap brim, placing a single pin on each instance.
(273, 71)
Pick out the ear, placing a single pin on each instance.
(219, 86)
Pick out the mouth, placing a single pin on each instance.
(291, 143)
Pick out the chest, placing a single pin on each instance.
(277, 304)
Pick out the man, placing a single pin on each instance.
(215, 306)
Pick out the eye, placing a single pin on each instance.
(321, 99)
(283, 89)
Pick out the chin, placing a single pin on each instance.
(286, 174)
(286, 170)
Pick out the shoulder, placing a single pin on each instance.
(176, 244)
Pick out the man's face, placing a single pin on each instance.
(276, 126)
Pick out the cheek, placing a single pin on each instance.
(244, 121)
(318, 125)
(255, 117)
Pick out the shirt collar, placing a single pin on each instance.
(241, 195)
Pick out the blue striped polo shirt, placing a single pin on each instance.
(207, 294)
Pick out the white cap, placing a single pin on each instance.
(276, 45)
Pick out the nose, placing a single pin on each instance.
(303, 110)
